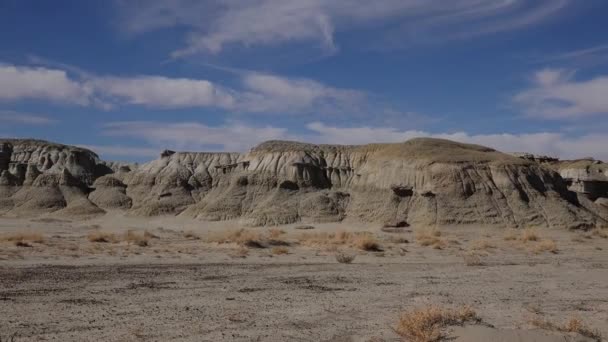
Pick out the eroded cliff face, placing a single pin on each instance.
(419, 182)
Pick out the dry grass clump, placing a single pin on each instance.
(528, 235)
(361, 240)
(546, 246)
(573, 325)
(430, 237)
(23, 239)
(367, 243)
(104, 237)
(482, 245)
(473, 259)
(510, 236)
(248, 238)
(190, 235)
(279, 250)
(601, 232)
(131, 237)
(275, 233)
(345, 258)
(427, 324)
(135, 238)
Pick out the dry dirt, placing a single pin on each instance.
(181, 287)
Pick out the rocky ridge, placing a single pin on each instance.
(420, 182)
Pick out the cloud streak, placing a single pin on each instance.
(256, 92)
(555, 94)
(215, 25)
(239, 137)
(14, 117)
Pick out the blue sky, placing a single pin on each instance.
(130, 78)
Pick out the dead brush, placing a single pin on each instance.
(361, 240)
(430, 237)
(344, 258)
(247, 238)
(601, 232)
(573, 325)
(546, 246)
(482, 245)
(427, 324)
(529, 234)
(23, 239)
(279, 251)
(139, 239)
(190, 235)
(103, 237)
(473, 259)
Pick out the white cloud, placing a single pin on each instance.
(549, 143)
(239, 137)
(40, 83)
(279, 94)
(158, 91)
(233, 136)
(11, 116)
(556, 95)
(257, 92)
(216, 24)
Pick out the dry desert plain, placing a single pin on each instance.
(119, 278)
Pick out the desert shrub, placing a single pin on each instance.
(279, 250)
(473, 259)
(573, 325)
(546, 246)
(103, 237)
(367, 243)
(427, 324)
(23, 237)
(430, 237)
(135, 238)
(191, 235)
(482, 245)
(345, 258)
(528, 235)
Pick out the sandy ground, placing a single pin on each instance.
(181, 287)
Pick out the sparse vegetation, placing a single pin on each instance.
(601, 232)
(473, 259)
(427, 324)
(345, 258)
(430, 237)
(482, 245)
(367, 243)
(361, 240)
(573, 325)
(279, 250)
(23, 239)
(528, 235)
(103, 237)
(191, 235)
(546, 246)
(248, 238)
(131, 237)
(135, 238)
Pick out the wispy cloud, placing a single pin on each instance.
(239, 137)
(41, 83)
(11, 116)
(216, 24)
(555, 94)
(256, 93)
(232, 136)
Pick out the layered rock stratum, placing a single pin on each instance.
(419, 182)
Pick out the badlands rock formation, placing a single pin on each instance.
(419, 182)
